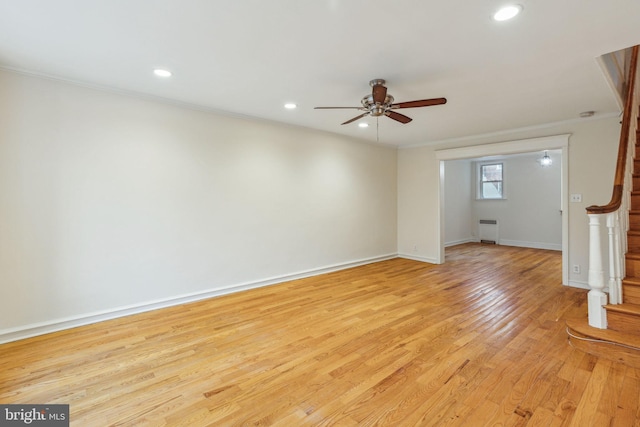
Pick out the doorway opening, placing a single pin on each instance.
(516, 154)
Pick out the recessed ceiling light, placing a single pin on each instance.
(162, 73)
(363, 125)
(290, 106)
(507, 12)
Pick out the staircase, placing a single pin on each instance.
(612, 330)
(625, 317)
(621, 340)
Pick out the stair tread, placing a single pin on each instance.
(631, 309)
(633, 255)
(631, 281)
(582, 326)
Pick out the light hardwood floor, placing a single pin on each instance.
(479, 340)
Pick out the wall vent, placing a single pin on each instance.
(488, 231)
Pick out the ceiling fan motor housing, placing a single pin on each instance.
(376, 109)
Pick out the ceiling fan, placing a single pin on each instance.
(379, 103)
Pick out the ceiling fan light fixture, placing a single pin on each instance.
(507, 12)
(377, 110)
(290, 106)
(363, 125)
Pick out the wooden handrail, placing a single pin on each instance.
(618, 183)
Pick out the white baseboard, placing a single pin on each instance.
(27, 331)
(418, 258)
(579, 284)
(460, 242)
(534, 245)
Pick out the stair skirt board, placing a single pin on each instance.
(606, 349)
(606, 343)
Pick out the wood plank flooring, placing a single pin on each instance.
(477, 341)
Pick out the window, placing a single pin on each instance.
(491, 181)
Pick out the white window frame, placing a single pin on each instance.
(479, 192)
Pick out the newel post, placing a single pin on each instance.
(597, 299)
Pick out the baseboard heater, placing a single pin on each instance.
(488, 231)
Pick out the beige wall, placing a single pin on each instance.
(111, 204)
(458, 201)
(418, 204)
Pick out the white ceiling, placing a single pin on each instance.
(249, 57)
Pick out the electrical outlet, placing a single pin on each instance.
(576, 198)
(415, 248)
(576, 269)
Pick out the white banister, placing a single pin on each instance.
(615, 258)
(597, 299)
(615, 215)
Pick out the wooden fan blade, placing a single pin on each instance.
(336, 108)
(357, 118)
(398, 117)
(379, 94)
(420, 103)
